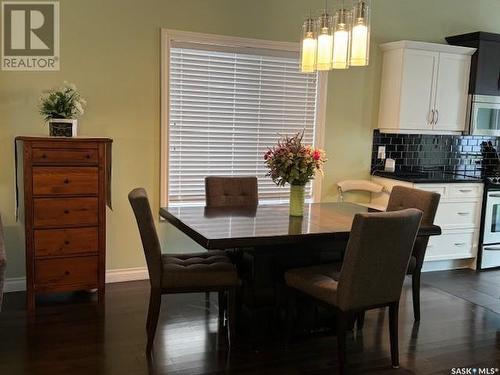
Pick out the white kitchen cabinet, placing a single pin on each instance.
(458, 215)
(424, 88)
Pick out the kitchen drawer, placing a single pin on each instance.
(76, 271)
(457, 214)
(65, 180)
(440, 189)
(65, 156)
(465, 191)
(56, 242)
(62, 212)
(451, 245)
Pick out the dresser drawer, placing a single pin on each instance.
(76, 271)
(65, 180)
(451, 246)
(61, 212)
(55, 242)
(457, 214)
(65, 156)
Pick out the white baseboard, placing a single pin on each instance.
(18, 284)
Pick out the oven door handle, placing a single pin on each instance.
(494, 195)
(490, 248)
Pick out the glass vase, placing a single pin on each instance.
(297, 199)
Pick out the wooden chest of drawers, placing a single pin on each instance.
(65, 182)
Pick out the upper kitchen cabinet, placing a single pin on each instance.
(485, 72)
(424, 88)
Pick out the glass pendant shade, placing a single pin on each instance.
(325, 42)
(360, 44)
(341, 39)
(309, 47)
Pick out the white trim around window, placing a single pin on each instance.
(170, 38)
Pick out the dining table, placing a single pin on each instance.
(264, 241)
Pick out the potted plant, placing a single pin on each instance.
(293, 163)
(60, 108)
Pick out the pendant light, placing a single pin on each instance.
(325, 41)
(309, 46)
(341, 39)
(360, 44)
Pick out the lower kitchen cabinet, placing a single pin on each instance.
(458, 215)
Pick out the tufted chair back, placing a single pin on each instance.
(152, 249)
(231, 191)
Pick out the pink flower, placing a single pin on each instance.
(316, 155)
(267, 155)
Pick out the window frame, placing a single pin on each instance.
(168, 36)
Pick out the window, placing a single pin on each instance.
(229, 99)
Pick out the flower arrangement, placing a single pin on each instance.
(62, 103)
(291, 162)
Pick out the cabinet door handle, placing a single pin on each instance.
(491, 248)
(459, 244)
(463, 213)
(437, 117)
(498, 82)
(431, 113)
(465, 190)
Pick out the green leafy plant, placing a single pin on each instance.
(62, 103)
(291, 162)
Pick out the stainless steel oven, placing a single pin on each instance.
(484, 115)
(490, 248)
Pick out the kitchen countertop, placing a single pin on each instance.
(430, 177)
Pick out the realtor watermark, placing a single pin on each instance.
(30, 35)
(474, 371)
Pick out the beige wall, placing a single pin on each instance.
(111, 50)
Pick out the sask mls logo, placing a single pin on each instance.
(30, 35)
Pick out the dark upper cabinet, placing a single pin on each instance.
(485, 65)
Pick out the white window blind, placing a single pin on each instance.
(226, 109)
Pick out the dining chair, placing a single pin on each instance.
(181, 273)
(404, 197)
(3, 262)
(372, 274)
(231, 191)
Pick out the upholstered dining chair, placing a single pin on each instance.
(401, 198)
(3, 262)
(181, 273)
(231, 191)
(372, 274)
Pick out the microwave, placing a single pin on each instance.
(484, 115)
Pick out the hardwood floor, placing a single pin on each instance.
(81, 338)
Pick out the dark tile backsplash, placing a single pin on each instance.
(473, 155)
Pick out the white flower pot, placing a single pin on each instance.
(61, 127)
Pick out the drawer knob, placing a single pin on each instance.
(66, 242)
(66, 211)
(44, 156)
(87, 156)
(66, 273)
(66, 181)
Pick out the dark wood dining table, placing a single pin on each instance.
(265, 241)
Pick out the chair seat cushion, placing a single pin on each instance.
(198, 271)
(320, 282)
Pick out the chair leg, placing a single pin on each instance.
(231, 316)
(222, 306)
(393, 329)
(342, 322)
(415, 283)
(152, 320)
(360, 320)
